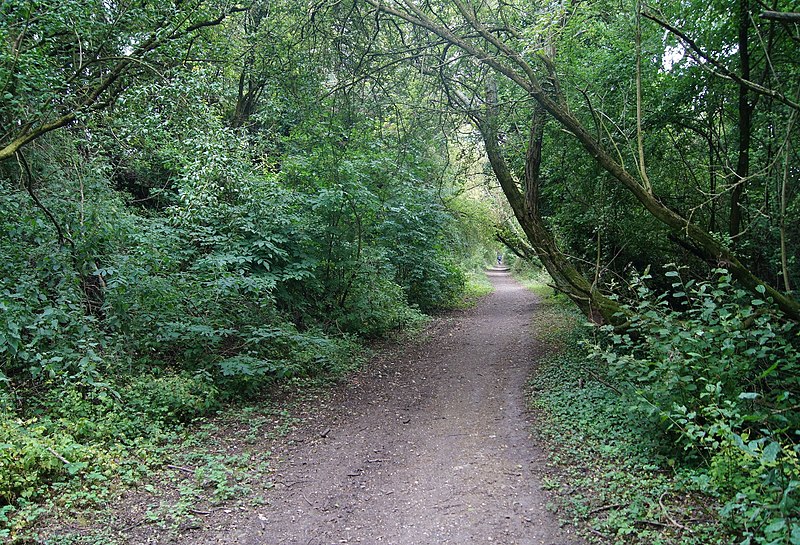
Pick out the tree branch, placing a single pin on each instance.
(724, 71)
(789, 17)
(25, 167)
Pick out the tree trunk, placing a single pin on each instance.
(568, 279)
(503, 59)
(745, 125)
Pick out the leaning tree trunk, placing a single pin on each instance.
(504, 59)
(567, 278)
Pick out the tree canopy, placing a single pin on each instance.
(202, 197)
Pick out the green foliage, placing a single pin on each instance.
(376, 305)
(228, 224)
(609, 473)
(30, 455)
(164, 398)
(717, 372)
(44, 329)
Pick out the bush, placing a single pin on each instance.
(37, 452)
(166, 398)
(718, 372)
(375, 307)
(609, 474)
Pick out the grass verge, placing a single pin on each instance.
(477, 285)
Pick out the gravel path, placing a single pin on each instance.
(429, 446)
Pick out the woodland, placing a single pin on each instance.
(200, 199)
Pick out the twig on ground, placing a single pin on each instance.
(669, 517)
(57, 455)
(603, 382)
(653, 523)
(181, 468)
(198, 511)
(599, 533)
(289, 485)
(134, 525)
(604, 508)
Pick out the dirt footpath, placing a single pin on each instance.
(430, 446)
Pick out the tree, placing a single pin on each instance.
(493, 37)
(63, 61)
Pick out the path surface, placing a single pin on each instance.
(431, 447)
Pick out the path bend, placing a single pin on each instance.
(430, 446)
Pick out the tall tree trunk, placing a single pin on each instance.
(745, 124)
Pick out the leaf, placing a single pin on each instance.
(769, 370)
(775, 527)
(75, 467)
(794, 539)
(771, 452)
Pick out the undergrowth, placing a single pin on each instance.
(681, 429)
(608, 474)
(72, 467)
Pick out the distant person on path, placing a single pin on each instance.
(499, 260)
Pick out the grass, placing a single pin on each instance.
(608, 476)
(477, 285)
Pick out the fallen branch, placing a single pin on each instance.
(181, 468)
(603, 382)
(669, 517)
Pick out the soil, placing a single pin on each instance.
(428, 444)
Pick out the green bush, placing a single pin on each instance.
(718, 372)
(607, 467)
(274, 353)
(37, 452)
(166, 398)
(375, 306)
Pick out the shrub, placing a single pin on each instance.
(718, 372)
(180, 397)
(376, 306)
(36, 452)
